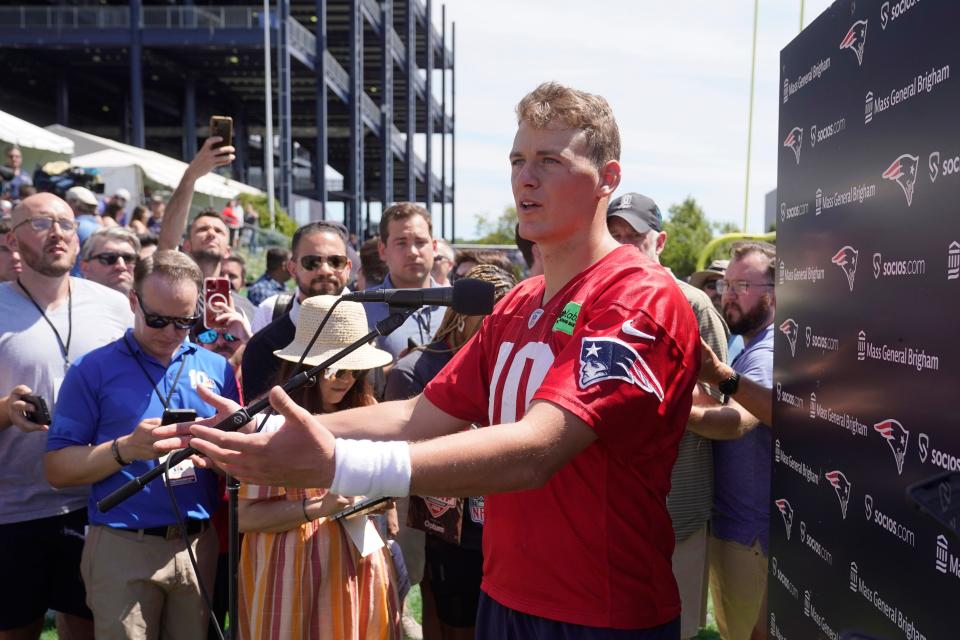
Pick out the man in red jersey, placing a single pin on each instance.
(587, 374)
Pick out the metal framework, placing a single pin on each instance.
(354, 86)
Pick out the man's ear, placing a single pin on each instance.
(661, 242)
(609, 178)
(381, 249)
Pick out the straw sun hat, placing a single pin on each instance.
(346, 325)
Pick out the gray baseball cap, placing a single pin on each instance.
(638, 210)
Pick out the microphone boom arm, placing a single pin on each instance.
(243, 415)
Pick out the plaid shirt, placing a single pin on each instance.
(263, 289)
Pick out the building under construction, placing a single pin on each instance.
(364, 87)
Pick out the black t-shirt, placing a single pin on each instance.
(259, 365)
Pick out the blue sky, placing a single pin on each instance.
(677, 75)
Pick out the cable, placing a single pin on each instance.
(186, 543)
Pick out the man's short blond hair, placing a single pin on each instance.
(552, 102)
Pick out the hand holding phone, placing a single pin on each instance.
(216, 299)
(222, 126)
(41, 412)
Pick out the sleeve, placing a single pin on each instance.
(757, 364)
(77, 413)
(462, 388)
(623, 374)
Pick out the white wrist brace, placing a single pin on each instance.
(371, 469)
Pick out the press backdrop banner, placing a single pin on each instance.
(867, 360)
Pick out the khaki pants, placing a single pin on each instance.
(690, 570)
(738, 582)
(144, 587)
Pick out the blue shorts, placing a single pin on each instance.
(497, 622)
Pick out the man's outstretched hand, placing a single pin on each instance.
(299, 454)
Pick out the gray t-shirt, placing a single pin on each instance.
(30, 355)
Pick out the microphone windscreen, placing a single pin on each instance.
(473, 297)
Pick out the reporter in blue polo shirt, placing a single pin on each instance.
(139, 580)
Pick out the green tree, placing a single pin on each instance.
(688, 232)
(499, 231)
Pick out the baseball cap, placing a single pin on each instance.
(81, 195)
(716, 268)
(122, 193)
(638, 210)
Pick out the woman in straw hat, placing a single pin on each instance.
(300, 575)
(454, 562)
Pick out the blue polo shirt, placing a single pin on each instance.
(106, 394)
(741, 467)
(420, 327)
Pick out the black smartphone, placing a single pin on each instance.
(939, 498)
(359, 508)
(222, 126)
(40, 413)
(173, 416)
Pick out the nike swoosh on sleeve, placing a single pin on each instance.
(628, 329)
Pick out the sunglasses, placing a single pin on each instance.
(156, 321)
(44, 224)
(210, 336)
(311, 263)
(110, 258)
(340, 374)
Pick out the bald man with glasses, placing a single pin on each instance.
(49, 320)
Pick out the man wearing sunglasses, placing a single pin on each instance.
(743, 443)
(109, 256)
(320, 266)
(48, 321)
(140, 582)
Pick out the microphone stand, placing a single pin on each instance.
(234, 421)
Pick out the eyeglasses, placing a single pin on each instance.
(210, 336)
(42, 223)
(340, 374)
(739, 286)
(311, 263)
(155, 321)
(110, 258)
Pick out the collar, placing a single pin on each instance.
(186, 348)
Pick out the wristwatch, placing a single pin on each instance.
(729, 386)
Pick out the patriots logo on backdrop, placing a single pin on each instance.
(842, 486)
(795, 141)
(897, 437)
(612, 359)
(903, 171)
(789, 328)
(856, 39)
(846, 259)
(787, 512)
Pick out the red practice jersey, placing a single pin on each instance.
(618, 347)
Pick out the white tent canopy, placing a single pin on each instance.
(26, 135)
(122, 163)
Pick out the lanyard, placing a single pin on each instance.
(64, 348)
(173, 387)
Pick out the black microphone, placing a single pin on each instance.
(468, 296)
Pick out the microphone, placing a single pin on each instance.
(468, 296)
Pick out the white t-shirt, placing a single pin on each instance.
(31, 355)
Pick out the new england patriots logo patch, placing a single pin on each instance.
(611, 359)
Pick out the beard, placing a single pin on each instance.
(322, 285)
(207, 256)
(45, 264)
(748, 322)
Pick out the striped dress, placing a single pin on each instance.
(311, 583)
